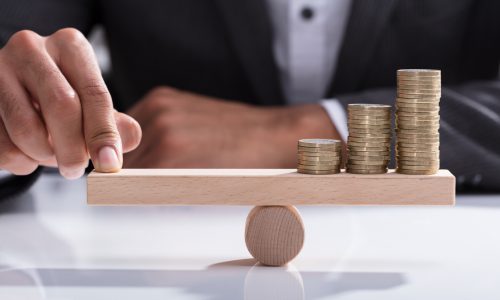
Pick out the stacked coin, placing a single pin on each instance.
(319, 156)
(369, 138)
(417, 121)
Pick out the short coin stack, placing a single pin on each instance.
(417, 121)
(319, 156)
(369, 138)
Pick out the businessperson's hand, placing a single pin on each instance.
(182, 129)
(55, 108)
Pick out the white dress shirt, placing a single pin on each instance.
(307, 39)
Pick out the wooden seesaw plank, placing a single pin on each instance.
(266, 187)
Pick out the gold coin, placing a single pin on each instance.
(419, 72)
(357, 171)
(312, 172)
(334, 161)
(369, 126)
(363, 106)
(328, 143)
(422, 97)
(318, 150)
(368, 144)
(369, 153)
(354, 162)
(369, 158)
(417, 145)
(423, 130)
(419, 135)
(417, 172)
(362, 149)
(373, 113)
(417, 141)
(417, 109)
(417, 150)
(419, 105)
(365, 167)
(417, 168)
(370, 122)
(420, 116)
(369, 140)
(431, 83)
(414, 120)
(418, 162)
(387, 135)
(405, 85)
(416, 126)
(370, 131)
(407, 143)
(319, 158)
(418, 91)
(377, 118)
(417, 122)
(319, 167)
(409, 154)
(416, 101)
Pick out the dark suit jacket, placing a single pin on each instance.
(223, 48)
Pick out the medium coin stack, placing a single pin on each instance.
(369, 138)
(417, 121)
(319, 156)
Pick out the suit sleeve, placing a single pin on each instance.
(44, 16)
(469, 130)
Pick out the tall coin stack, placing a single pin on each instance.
(369, 138)
(417, 121)
(319, 156)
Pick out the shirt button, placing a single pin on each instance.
(307, 13)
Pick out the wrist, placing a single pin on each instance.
(290, 124)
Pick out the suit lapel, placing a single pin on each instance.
(249, 29)
(367, 20)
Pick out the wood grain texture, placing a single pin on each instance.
(266, 187)
(274, 235)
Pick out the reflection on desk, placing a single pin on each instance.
(53, 246)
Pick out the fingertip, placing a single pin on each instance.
(71, 174)
(108, 160)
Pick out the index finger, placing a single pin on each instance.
(76, 60)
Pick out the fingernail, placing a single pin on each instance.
(72, 174)
(107, 160)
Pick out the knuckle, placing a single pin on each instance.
(15, 161)
(9, 153)
(160, 90)
(171, 141)
(151, 104)
(64, 101)
(97, 90)
(103, 135)
(24, 127)
(161, 123)
(70, 36)
(24, 39)
(8, 104)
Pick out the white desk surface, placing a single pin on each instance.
(54, 246)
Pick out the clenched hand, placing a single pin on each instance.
(187, 130)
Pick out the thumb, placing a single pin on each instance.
(130, 131)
